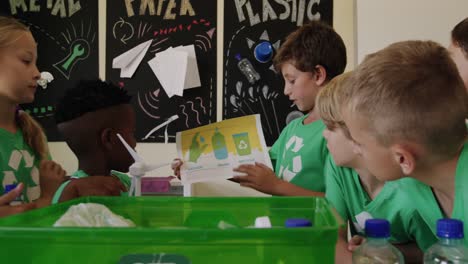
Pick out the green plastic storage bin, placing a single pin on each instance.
(177, 230)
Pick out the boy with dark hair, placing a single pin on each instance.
(89, 117)
(405, 111)
(309, 58)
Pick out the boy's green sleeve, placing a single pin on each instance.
(273, 155)
(277, 148)
(421, 232)
(124, 178)
(334, 188)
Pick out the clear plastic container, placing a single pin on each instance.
(450, 248)
(377, 249)
(247, 69)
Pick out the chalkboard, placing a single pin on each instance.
(67, 37)
(165, 24)
(246, 24)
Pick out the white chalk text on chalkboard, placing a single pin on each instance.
(293, 9)
(55, 6)
(169, 12)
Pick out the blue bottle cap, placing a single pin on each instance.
(238, 57)
(297, 222)
(449, 228)
(377, 228)
(9, 188)
(263, 52)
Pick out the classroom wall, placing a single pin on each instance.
(343, 16)
(382, 22)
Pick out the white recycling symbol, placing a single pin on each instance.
(243, 145)
(294, 165)
(14, 162)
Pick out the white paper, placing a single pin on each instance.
(129, 61)
(176, 69)
(192, 78)
(170, 67)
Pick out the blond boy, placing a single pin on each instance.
(405, 109)
(358, 195)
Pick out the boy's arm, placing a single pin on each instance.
(51, 176)
(411, 252)
(93, 186)
(263, 179)
(342, 254)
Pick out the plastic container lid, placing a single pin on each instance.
(449, 228)
(263, 52)
(377, 228)
(297, 222)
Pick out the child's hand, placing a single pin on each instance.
(259, 177)
(51, 176)
(93, 186)
(355, 242)
(6, 209)
(175, 165)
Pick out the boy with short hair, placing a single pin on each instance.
(89, 117)
(309, 58)
(405, 109)
(358, 195)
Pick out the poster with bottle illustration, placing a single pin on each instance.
(211, 152)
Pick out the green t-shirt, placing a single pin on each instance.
(123, 177)
(19, 163)
(461, 190)
(299, 154)
(396, 202)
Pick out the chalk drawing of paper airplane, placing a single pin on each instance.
(129, 61)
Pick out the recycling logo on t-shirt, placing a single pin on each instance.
(292, 161)
(23, 170)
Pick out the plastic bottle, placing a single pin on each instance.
(377, 249)
(247, 69)
(219, 145)
(450, 248)
(9, 188)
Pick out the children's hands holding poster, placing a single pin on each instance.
(259, 177)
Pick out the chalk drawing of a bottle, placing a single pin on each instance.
(219, 145)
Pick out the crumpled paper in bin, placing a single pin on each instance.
(92, 215)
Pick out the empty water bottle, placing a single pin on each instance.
(247, 69)
(450, 248)
(377, 249)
